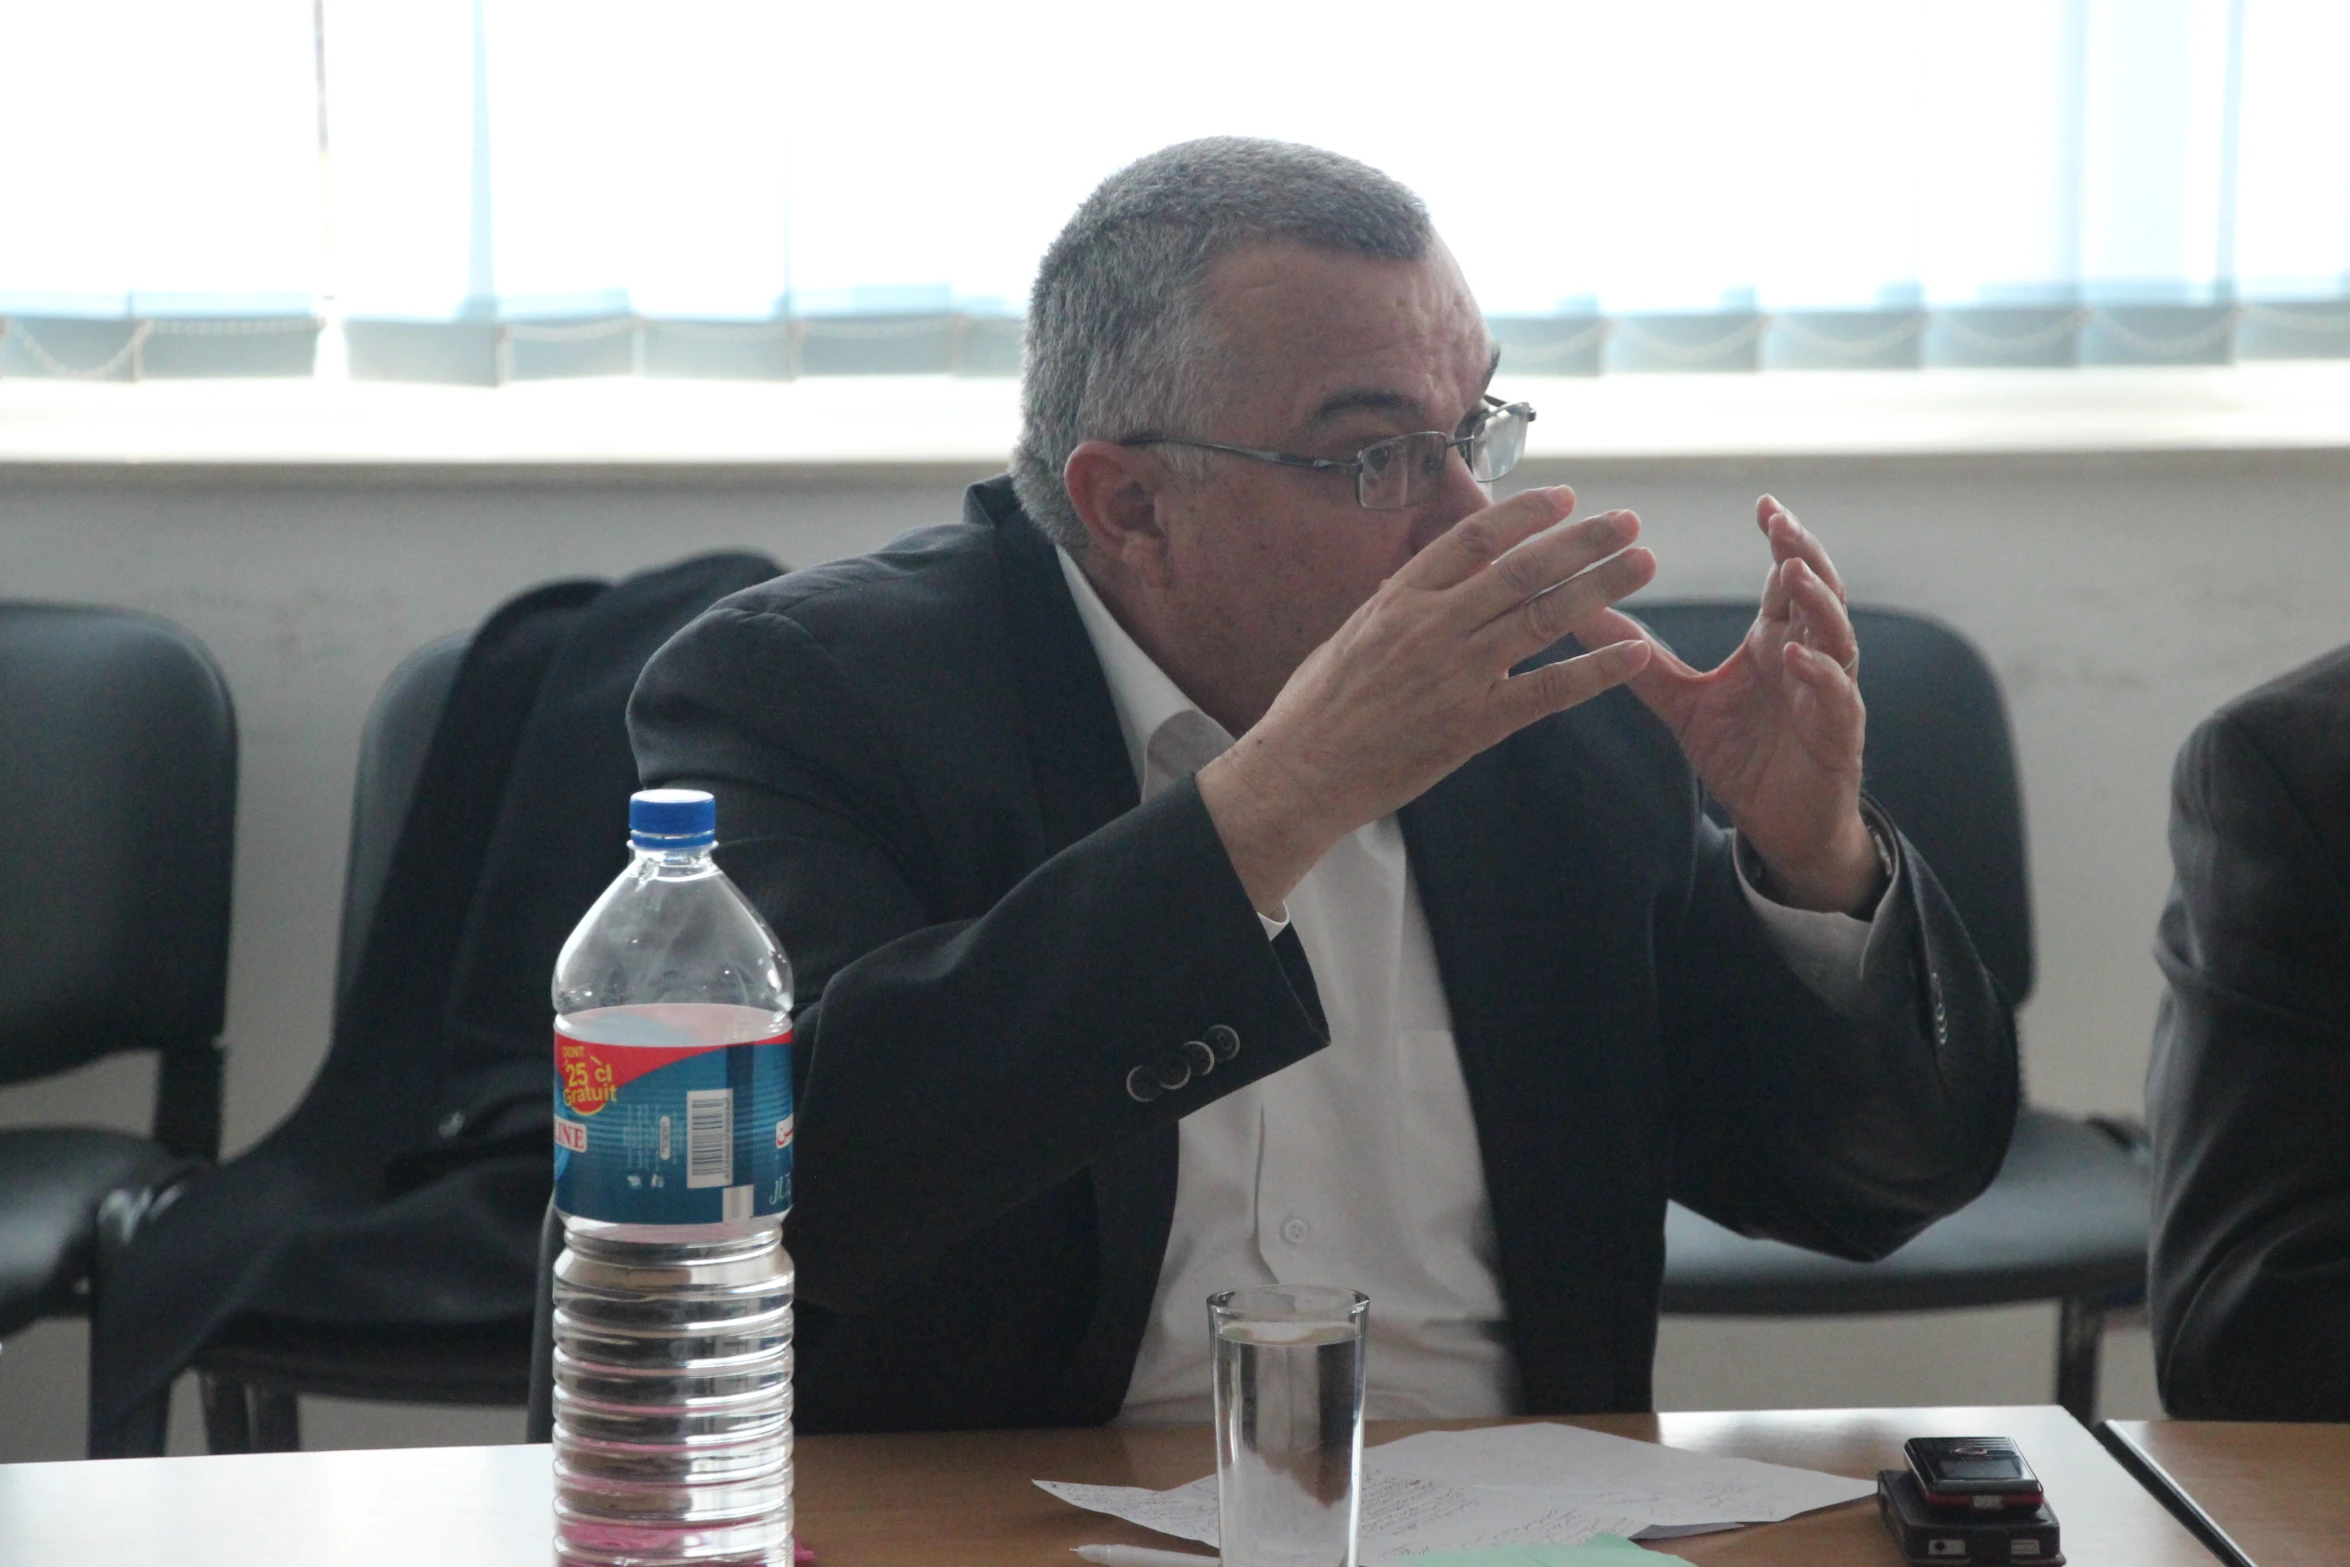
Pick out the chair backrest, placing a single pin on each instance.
(489, 811)
(1939, 756)
(118, 795)
(392, 747)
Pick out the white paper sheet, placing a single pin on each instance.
(1673, 1486)
(1516, 1485)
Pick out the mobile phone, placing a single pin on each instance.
(1986, 1472)
(1937, 1536)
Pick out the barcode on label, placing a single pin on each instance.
(709, 1137)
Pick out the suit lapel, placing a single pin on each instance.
(1083, 776)
(1508, 864)
(1084, 780)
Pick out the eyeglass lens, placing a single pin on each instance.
(1408, 469)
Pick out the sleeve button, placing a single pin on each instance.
(1141, 1086)
(1171, 1070)
(1224, 1040)
(1202, 1059)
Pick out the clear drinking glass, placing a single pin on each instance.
(1289, 1424)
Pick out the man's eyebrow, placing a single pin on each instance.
(1380, 400)
(1375, 399)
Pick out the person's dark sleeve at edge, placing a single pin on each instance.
(2248, 1092)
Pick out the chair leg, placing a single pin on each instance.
(142, 1434)
(538, 1421)
(2080, 1334)
(228, 1414)
(277, 1420)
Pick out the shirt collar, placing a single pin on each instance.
(1167, 736)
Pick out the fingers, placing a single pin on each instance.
(1826, 702)
(1550, 614)
(1481, 538)
(1556, 687)
(1613, 625)
(1819, 620)
(1545, 564)
(1790, 540)
(1665, 680)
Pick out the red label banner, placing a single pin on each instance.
(591, 1073)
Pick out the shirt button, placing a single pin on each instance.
(1296, 1231)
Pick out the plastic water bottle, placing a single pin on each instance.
(673, 1127)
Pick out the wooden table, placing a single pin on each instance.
(953, 1500)
(2277, 1494)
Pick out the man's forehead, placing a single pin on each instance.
(1319, 334)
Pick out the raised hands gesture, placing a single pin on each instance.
(1775, 732)
(1418, 680)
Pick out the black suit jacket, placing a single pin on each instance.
(2248, 1094)
(921, 781)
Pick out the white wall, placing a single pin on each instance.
(2119, 597)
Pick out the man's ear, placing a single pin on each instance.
(1116, 491)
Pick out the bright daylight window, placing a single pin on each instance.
(480, 190)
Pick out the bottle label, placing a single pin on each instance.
(655, 1134)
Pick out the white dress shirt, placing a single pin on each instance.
(1359, 1165)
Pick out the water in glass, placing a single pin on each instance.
(1289, 1426)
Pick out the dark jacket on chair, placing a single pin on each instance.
(407, 1187)
(2248, 1094)
(922, 783)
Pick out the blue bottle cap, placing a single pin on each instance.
(672, 819)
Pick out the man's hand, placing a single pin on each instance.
(1417, 681)
(1775, 732)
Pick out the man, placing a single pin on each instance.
(1211, 864)
(2248, 1094)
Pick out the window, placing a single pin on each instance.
(490, 189)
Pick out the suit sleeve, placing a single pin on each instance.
(2248, 1098)
(1844, 1131)
(949, 1069)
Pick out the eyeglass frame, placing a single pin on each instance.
(1355, 465)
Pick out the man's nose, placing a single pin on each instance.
(1457, 496)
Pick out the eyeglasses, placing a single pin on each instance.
(1402, 470)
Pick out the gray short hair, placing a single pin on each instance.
(1116, 339)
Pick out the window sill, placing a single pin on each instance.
(880, 422)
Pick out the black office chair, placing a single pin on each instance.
(538, 1416)
(489, 812)
(2066, 1218)
(249, 1376)
(118, 789)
